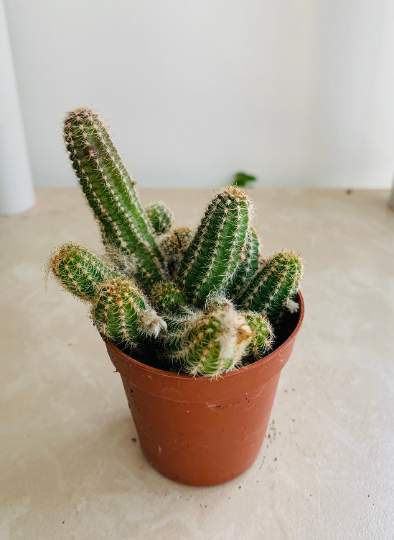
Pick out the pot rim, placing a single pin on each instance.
(250, 367)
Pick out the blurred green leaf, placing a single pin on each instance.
(242, 179)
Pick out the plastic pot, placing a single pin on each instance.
(200, 431)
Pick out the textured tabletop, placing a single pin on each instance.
(70, 463)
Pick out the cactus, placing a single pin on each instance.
(122, 313)
(200, 301)
(173, 246)
(167, 297)
(111, 192)
(274, 286)
(79, 270)
(248, 266)
(263, 336)
(216, 248)
(160, 217)
(207, 343)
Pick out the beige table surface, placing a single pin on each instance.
(68, 466)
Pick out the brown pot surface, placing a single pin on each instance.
(201, 431)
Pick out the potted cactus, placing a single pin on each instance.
(196, 322)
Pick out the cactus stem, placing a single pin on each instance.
(79, 270)
(213, 254)
(122, 313)
(110, 191)
(160, 217)
(247, 266)
(274, 285)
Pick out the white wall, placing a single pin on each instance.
(298, 92)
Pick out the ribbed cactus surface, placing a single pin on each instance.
(111, 192)
(123, 314)
(209, 343)
(167, 297)
(79, 270)
(217, 246)
(160, 217)
(262, 334)
(248, 265)
(274, 285)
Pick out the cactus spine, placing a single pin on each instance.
(263, 335)
(167, 297)
(248, 266)
(160, 217)
(216, 248)
(123, 314)
(111, 192)
(79, 270)
(207, 343)
(274, 286)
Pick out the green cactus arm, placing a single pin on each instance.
(173, 246)
(263, 335)
(166, 297)
(208, 343)
(248, 266)
(160, 217)
(111, 192)
(215, 250)
(273, 287)
(123, 314)
(79, 270)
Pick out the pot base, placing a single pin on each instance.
(183, 448)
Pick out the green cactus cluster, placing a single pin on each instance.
(201, 300)
(207, 343)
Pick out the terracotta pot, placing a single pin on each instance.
(200, 431)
